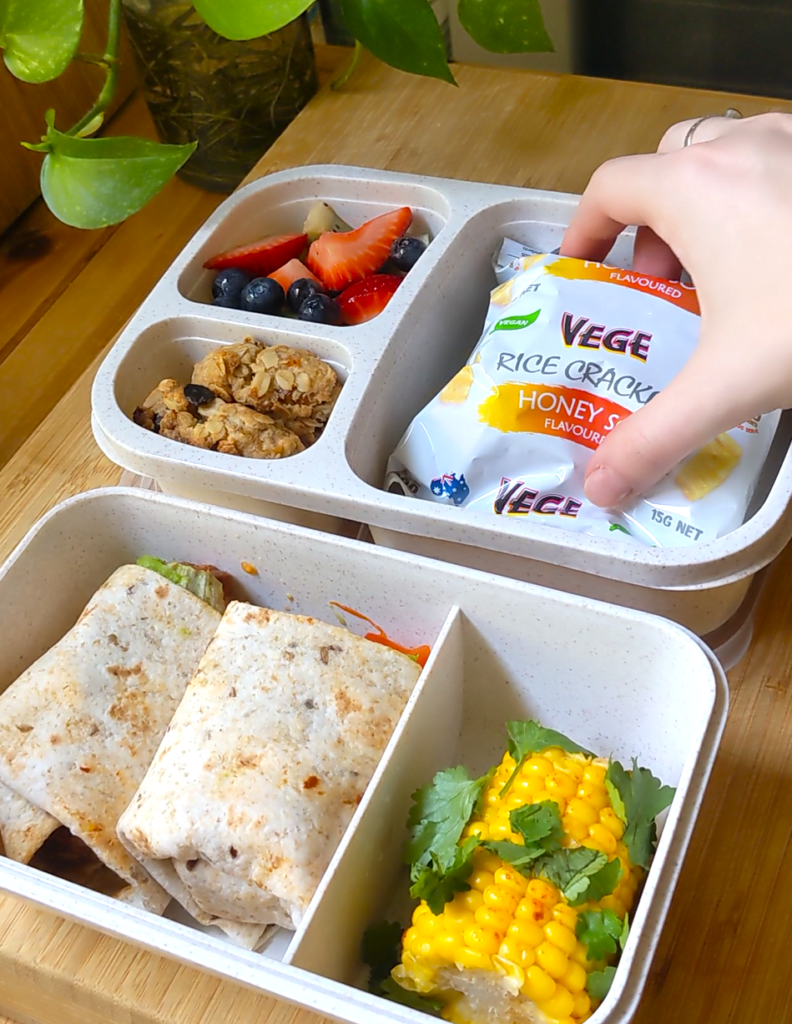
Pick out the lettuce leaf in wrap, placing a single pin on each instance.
(200, 582)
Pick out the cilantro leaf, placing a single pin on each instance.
(526, 738)
(598, 983)
(604, 881)
(571, 871)
(539, 825)
(380, 950)
(625, 932)
(392, 990)
(643, 797)
(518, 856)
(437, 886)
(599, 931)
(438, 817)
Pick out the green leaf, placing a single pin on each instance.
(539, 825)
(604, 881)
(526, 738)
(615, 798)
(643, 798)
(625, 932)
(437, 887)
(392, 990)
(198, 581)
(516, 323)
(518, 856)
(380, 950)
(571, 871)
(598, 983)
(506, 26)
(91, 183)
(438, 817)
(402, 33)
(39, 37)
(599, 931)
(241, 19)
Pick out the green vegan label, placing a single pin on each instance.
(516, 323)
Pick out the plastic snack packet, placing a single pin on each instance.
(569, 349)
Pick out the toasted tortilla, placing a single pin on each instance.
(80, 727)
(263, 765)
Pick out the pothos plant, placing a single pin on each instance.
(91, 182)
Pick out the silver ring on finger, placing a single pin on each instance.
(731, 113)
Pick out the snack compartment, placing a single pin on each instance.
(617, 680)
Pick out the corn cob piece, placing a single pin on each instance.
(506, 950)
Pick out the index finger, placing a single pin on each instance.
(622, 191)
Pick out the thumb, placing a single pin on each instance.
(697, 405)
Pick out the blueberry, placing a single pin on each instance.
(300, 290)
(320, 309)
(227, 301)
(405, 253)
(229, 283)
(262, 295)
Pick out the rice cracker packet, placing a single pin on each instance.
(569, 349)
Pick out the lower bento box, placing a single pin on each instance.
(621, 682)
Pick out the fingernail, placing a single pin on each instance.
(606, 487)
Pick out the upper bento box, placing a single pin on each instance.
(620, 681)
(390, 367)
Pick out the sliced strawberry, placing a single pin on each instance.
(292, 271)
(262, 257)
(367, 298)
(340, 259)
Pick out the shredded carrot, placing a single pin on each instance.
(419, 654)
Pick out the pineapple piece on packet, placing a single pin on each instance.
(569, 349)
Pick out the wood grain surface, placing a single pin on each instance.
(724, 955)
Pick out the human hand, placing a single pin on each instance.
(722, 209)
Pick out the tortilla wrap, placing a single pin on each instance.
(80, 727)
(23, 827)
(263, 765)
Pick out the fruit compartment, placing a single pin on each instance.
(622, 682)
(265, 208)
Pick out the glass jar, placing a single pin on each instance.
(234, 98)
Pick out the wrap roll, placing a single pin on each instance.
(263, 765)
(79, 728)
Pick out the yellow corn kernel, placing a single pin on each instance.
(573, 767)
(603, 839)
(427, 924)
(577, 808)
(501, 899)
(541, 796)
(554, 754)
(501, 830)
(582, 1004)
(612, 822)
(478, 828)
(481, 940)
(578, 955)
(457, 916)
(508, 763)
(508, 878)
(529, 909)
(565, 915)
(473, 960)
(492, 799)
(539, 986)
(472, 900)
(594, 773)
(497, 921)
(544, 891)
(525, 787)
(561, 785)
(594, 794)
(517, 953)
(574, 828)
(559, 1004)
(483, 860)
(566, 1020)
(447, 945)
(538, 766)
(560, 936)
(613, 903)
(527, 932)
(480, 880)
(574, 979)
(552, 960)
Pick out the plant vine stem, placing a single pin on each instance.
(110, 59)
(345, 75)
